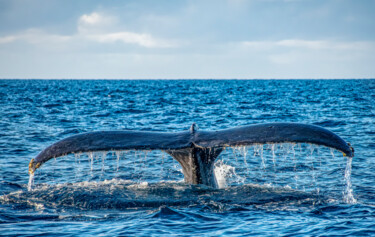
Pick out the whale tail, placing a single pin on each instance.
(196, 151)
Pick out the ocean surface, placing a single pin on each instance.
(265, 190)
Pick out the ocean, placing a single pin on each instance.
(265, 189)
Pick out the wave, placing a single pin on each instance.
(125, 194)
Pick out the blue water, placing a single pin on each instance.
(287, 189)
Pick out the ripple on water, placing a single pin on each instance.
(279, 192)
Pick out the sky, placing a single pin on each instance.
(187, 39)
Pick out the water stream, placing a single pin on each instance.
(277, 166)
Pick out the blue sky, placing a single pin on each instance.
(90, 39)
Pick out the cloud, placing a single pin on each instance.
(236, 38)
(325, 44)
(92, 27)
(311, 52)
(144, 40)
(92, 19)
(98, 27)
(308, 44)
(95, 22)
(7, 39)
(35, 36)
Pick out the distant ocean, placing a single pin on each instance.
(285, 189)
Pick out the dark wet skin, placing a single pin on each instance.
(195, 150)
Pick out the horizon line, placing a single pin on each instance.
(176, 79)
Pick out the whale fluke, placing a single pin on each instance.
(273, 133)
(195, 150)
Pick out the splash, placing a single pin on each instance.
(278, 165)
(306, 167)
(223, 172)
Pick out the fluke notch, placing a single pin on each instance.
(195, 150)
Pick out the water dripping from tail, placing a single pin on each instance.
(31, 182)
(348, 192)
(104, 156)
(118, 154)
(91, 160)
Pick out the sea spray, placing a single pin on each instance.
(235, 166)
(224, 172)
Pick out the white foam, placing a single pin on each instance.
(223, 172)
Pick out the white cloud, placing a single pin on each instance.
(95, 22)
(311, 44)
(326, 44)
(308, 44)
(309, 52)
(92, 19)
(35, 36)
(93, 27)
(97, 27)
(7, 39)
(144, 40)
